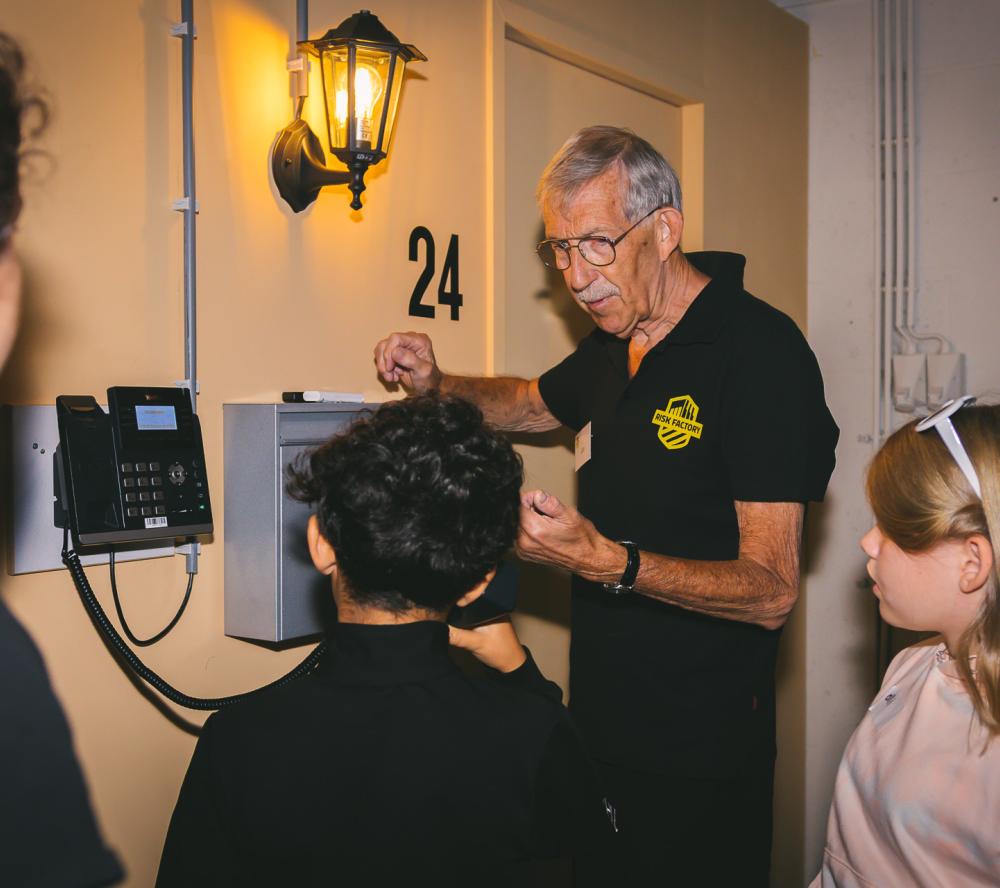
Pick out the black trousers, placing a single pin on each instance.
(687, 832)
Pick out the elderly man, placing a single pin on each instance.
(702, 432)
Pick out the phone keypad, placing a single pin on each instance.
(143, 475)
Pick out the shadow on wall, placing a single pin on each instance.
(544, 593)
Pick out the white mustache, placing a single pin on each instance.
(596, 291)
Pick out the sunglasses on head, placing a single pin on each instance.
(941, 421)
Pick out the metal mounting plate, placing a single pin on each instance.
(34, 542)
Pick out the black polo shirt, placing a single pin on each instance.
(728, 406)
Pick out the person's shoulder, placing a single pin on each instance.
(763, 337)
(753, 317)
(265, 711)
(523, 704)
(912, 659)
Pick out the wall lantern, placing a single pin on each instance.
(362, 65)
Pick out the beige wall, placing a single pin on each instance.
(297, 302)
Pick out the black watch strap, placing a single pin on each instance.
(627, 583)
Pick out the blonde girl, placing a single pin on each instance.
(917, 797)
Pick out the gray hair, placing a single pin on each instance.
(648, 180)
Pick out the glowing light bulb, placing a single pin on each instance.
(367, 92)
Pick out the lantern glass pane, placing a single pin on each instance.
(397, 88)
(371, 71)
(334, 65)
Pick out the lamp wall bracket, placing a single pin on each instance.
(299, 167)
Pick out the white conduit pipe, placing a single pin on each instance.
(894, 74)
(910, 132)
(883, 328)
(901, 214)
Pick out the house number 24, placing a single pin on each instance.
(448, 287)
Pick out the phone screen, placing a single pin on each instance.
(160, 418)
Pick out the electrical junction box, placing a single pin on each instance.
(272, 591)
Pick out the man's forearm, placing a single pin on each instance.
(741, 590)
(735, 590)
(508, 403)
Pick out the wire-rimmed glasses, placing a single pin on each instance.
(941, 421)
(595, 248)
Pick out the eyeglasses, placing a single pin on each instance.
(596, 248)
(941, 420)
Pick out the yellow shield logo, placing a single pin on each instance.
(678, 422)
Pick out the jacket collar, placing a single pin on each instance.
(405, 653)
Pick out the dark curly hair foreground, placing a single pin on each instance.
(420, 500)
(16, 106)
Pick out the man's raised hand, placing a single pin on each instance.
(408, 358)
(554, 533)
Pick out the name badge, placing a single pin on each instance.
(582, 448)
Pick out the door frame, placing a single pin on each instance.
(510, 20)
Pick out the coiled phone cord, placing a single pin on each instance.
(93, 606)
(129, 634)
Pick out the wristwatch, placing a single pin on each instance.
(627, 582)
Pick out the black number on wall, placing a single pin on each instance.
(417, 308)
(449, 290)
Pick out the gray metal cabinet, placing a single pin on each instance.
(272, 591)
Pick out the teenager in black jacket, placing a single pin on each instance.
(389, 765)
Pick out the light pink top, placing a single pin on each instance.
(917, 801)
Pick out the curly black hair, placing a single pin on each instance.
(17, 104)
(420, 500)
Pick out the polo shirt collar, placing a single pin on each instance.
(403, 653)
(706, 316)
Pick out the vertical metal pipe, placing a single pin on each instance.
(190, 258)
(190, 264)
(899, 166)
(302, 20)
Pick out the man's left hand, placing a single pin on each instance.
(557, 534)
